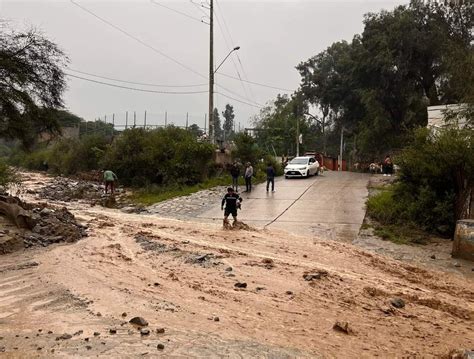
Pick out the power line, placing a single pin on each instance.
(256, 83)
(138, 40)
(132, 82)
(136, 89)
(149, 46)
(243, 102)
(233, 44)
(177, 11)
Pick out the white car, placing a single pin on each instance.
(302, 167)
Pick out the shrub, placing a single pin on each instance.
(435, 184)
(162, 156)
(8, 176)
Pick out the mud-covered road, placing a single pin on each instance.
(206, 292)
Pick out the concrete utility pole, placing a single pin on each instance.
(211, 72)
(297, 136)
(340, 149)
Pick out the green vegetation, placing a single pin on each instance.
(435, 185)
(378, 85)
(153, 193)
(31, 84)
(8, 176)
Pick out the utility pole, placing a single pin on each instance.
(211, 72)
(187, 118)
(144, 124)
(166, 118)
(205, 123)
(297, 136)
(113, 124)
(126, 120)
(134, 119)
(340, 149)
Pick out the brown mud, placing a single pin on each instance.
(209, 292)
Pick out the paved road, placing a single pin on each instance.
(329, 206)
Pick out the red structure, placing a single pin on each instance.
(328, 162)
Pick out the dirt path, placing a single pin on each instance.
(181, 276)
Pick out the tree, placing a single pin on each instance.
(31, 83)
(195, 130)
(228, 127)
(378, 86)
(218, 133)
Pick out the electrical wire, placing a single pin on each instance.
(132, 82)
(243, 102)
(255, 83)
(137, 39)
(136, 89)
(177, 11)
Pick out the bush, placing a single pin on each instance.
(162, 156)
(8, 176)
(435, 184)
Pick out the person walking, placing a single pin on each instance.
(231, 201)
(235, 173)
(109, 181)
(270, 177)
(248, 177)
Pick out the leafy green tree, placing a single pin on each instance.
(228, 126)
(31, 83)
(218, 132)
(246, 149)
(195, 130)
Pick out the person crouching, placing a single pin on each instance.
(231, 201)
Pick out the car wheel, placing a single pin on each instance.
(286, 177)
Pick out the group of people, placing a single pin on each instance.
(386, 167)
(232, 200)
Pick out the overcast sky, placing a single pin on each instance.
(172, 49)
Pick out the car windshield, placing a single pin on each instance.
(299, 161)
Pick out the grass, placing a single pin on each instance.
(400, 234)
(154, 194)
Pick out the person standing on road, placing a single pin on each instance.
(270, 177)
(231, 201)
(248, 177)
(235, 173)
(109, 181)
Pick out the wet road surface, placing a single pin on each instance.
(329, 206)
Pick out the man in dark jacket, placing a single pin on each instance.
(270, 177)
(235, 173)
(231, 201)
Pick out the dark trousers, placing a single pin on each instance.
(235, 183)
(272, 181)
(248, 184)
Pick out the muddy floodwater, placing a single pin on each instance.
(209, 293)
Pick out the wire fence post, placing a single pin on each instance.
(205, 123)
(134, 119)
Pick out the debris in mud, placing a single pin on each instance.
(240, 285)
(138, 321)
(398, 303)
(124, 314)
(96, 334)
(309, 276)
(160, 346)
(343, 327)
(144, 331)
(64, 337)
(433, 256)
(42, 225)
(160, 330)
(460, 354)
(113, 331)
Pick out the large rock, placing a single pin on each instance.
(463, 245)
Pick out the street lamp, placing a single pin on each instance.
(212, 72)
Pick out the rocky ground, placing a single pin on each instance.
(206, 292)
